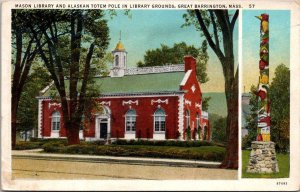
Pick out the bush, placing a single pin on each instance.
(26, 145)
(162, 143)
(54, 146)
(96, 142)
(209, 153)
(188, 133)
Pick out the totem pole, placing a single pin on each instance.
(263, 155)
(263, 125)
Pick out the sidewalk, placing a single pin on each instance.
(37, 154)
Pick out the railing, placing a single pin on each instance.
(156, 69)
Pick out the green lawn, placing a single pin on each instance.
(283, 164)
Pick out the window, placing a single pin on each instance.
(130, 119)
(197, 121)
(117, 60)
(159, 120)
(55, 121)
(187, 118)
(82, 123)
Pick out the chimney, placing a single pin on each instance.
(189, 63)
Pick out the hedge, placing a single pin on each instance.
(163, 143)
(209, 153)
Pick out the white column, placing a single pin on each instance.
(180, 115)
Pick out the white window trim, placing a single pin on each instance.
(188, 119)
(52, 117)
(117, 61)
(130, 131)
(159, 132)
(197, 120)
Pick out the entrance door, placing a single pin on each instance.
(103, 129)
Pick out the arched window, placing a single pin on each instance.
(55, 121)
(117, 60)
(130, 118)
(187, 118)
(159, 120)
(197, 121)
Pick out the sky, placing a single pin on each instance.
(148, 29)
(279, 43)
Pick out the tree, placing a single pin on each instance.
(280, 108)
(280, 111)
(251, 119)
(217, 27)
(75, 40)
(28, 106)
(23, 53)
(174, 55)
(205, 103)
(219, 130)
(201, 62)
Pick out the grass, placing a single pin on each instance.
(283, 164)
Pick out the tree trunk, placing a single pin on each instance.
(231, 157)
(73, 133)
(14, 108)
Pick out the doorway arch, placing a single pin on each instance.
(103, 124)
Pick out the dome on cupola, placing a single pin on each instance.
(119, 47)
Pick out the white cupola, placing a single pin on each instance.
(120, 61)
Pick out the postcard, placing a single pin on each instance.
(139, 95)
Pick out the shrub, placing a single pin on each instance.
(100, 142)
(54, 146)
(188, 133)
(163, 143)
(211, 153)
(25, 145)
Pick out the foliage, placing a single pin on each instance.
(217, 27)
(219, 130)
(201, 63)
(199, 132)
(188, 133)
(251, 119)
(75, 41)
(279, 93)
(174, 55)
(208, 153)
(36, 143)
(36, 81)
(205, 103)
(280, 108)
(163, 143)
(22, 145)
(283, 164)
(24, 53)
(216, 122)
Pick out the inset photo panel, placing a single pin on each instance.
(266, 94)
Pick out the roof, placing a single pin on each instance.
(143, 83)
(119, 47)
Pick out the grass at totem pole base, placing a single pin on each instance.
(283, 164)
